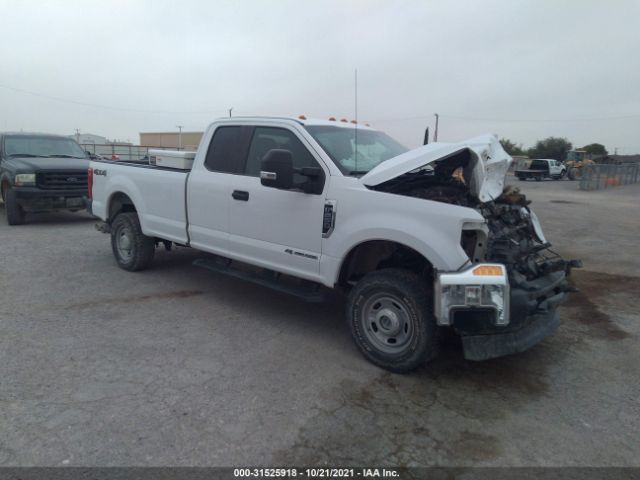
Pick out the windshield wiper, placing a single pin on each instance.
(358, 172)
(63, 155)
(27, 155)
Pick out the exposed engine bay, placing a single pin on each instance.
(512, 238)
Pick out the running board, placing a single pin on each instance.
(307, 291)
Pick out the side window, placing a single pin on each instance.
(268, 138)
(228, 149)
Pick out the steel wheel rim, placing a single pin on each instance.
(387, 323)
(124, 243)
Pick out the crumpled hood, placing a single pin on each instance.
(484, 174)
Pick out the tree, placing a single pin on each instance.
(510, 147)
(595, 149)
(551, 147)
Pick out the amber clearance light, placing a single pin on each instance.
(488, 271)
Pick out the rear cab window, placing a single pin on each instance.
(228, 149)
(539, 165)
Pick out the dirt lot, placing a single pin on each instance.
(179, 366)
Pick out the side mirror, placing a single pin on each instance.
(311, 172)
(277, 169)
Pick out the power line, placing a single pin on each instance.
(548, 120)
(97, 105)
(504, 120)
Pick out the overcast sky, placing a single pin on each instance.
(522, 69)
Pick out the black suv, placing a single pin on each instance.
(41, 173)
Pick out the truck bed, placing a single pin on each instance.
(158, 192)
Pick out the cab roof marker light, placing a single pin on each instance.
(302, 117)
(332, 119)
(344, 120)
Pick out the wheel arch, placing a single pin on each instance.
(119, 202)
(371, 255)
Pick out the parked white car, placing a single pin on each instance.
(542, 168)
(418, 240)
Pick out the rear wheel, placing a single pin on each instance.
(391, 319)
(15, 213)
(132, 249)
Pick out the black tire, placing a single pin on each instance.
(140, 247)
(521, 178)
(538, 179)
(413, 319)
(14, 212)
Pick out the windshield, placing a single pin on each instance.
(40, 146)
(339, 142)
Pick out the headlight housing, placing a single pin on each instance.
(25, 179)
(483, 286)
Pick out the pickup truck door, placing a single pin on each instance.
(277, 229)
(210, 187)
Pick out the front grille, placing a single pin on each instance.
(63, 180)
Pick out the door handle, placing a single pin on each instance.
(240, 195)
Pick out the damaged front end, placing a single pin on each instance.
(504, 300)
(537, 281)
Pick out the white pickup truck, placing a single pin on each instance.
(418, 240)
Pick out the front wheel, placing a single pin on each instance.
(391, 318)
(132, 249)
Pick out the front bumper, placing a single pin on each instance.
(532, 316)
(33, 199)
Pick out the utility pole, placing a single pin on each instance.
(435, 134)
(230, 110)
(77, 135)
(179, 127)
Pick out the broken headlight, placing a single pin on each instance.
(482, 287)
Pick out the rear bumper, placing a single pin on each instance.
(33, 199)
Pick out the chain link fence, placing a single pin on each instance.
(598, 176)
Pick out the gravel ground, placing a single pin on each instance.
(180, 366)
